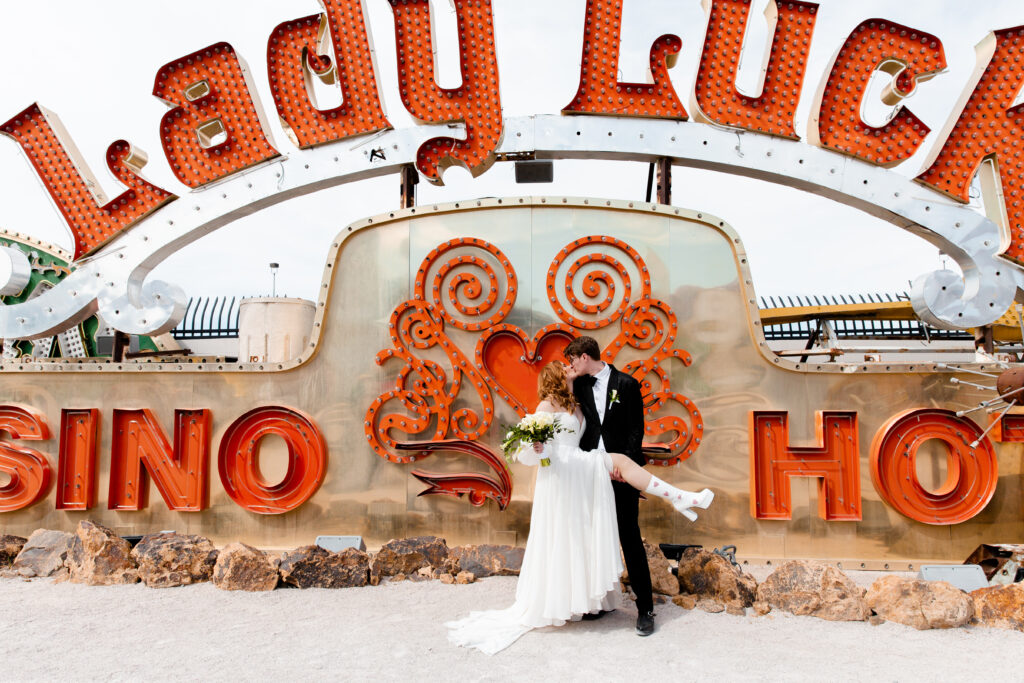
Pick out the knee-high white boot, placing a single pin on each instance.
(681, 500)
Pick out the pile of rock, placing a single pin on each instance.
(711, 582)
(96, 556)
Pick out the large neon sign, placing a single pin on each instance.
(388, 421)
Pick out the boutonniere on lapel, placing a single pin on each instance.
(613, 398)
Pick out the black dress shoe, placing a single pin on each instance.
(590, 616)
(645, 624)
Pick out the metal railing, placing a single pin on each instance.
(853, 328)
(217, 318)
(208, 318)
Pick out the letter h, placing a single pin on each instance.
(835, 462)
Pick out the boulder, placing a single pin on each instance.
(446, 578)
(708, 575)
(45, 552)
(486, 560)
(814, 589)
(241, 567)
(662, 579)
(1000, 606)
(465, 577)
(918, 603)
(761, 608)
(99, 557)
(167, 560)
(313, 567)
(685, 601)
(10, 546)
(710, 606)
(406, 555)
(735, 608)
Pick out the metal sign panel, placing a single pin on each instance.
(430, 324)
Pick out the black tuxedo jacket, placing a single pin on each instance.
(623, 426)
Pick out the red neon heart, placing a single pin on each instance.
(512, 361)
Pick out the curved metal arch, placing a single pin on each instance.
(114, 280)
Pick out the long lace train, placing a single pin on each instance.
(572, 564)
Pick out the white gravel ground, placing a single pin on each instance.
(395, 632)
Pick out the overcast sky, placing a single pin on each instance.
(94, 64)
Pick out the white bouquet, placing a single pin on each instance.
(535, 428)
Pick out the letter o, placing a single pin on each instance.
(971, 475)
(238, 460)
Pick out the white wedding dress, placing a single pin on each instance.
(572, 563)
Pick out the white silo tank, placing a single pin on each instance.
(273, 329)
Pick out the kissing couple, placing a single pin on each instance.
(582, 502)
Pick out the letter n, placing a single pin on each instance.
(835, 462)
(138, 446)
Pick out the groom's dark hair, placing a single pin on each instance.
(583, 345)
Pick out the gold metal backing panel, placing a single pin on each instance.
(696, 264)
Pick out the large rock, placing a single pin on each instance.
(10, 546)
(708, 575)
(167, 560)
(814, 589)
(685, 601)
(487, 560)
(45, 553)
(921, 604)
(406, 555)
(710, 606)
(1000, 606)
(313, 567)
(662, 579)
(99, 557)
(241, 567)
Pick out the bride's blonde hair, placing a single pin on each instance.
(552, 385)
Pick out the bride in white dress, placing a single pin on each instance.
(572, 564)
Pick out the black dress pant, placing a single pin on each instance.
(627, 511)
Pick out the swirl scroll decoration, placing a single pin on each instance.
(646, 324)
(423, 388)
(473, 292)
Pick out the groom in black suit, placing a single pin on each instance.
(614, 411)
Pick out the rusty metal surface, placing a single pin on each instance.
(1003, 563)
(696, 266)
